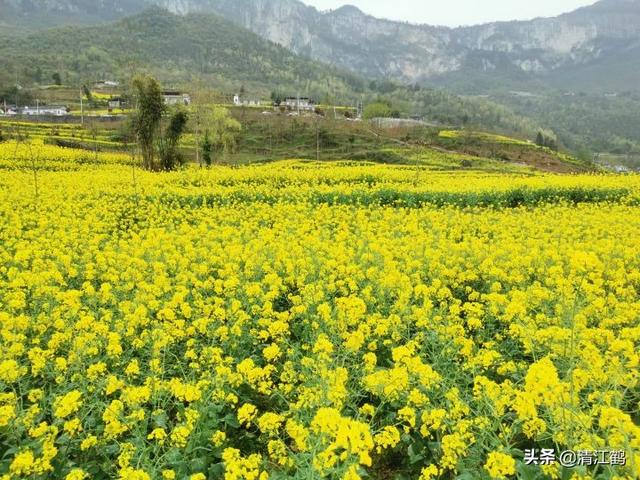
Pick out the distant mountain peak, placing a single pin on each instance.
(348, 10)
(610, 6)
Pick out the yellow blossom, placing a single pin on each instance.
(68, 404)
(500, 465)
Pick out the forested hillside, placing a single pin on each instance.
(205, 49)
(575, 74)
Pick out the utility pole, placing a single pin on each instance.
(17, 90)
(38, 108)
(198, 137)
(81, 109)
(197, 100)
(317, 139)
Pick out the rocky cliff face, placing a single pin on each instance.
(350, 39)
(345, 37)
(550, 43)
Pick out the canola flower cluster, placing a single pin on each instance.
(169, 328)
(35, 154)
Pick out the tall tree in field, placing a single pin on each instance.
(222, 130)
(216, 130)
(206, 150)
(86, 91)
(170, 156)
(148, 117)
(201, 99)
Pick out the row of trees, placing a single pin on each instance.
(547, 139)
(158, 130)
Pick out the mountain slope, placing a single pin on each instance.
(345, 37)
(206, 49)
(595, 50)
(49, 13)
(545, 51)
(541, 50)
(175, 48)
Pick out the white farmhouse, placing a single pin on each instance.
(106, 84)
(116, 102)
(238, 101)
(299, 103)
(174, 97)
(8, 110)
(56, 111)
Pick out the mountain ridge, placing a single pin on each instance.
(542, 49)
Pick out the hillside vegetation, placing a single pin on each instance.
(267, 138)
(490, 61)
(208, 50)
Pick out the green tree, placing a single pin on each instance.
(170, 156)
(147, 118)
(57, 79)
(276, 98)
(15, 95)
(584, 155)
(377, 110)
(547, 139)
(221, 130)
(87, 93)
(206, 150)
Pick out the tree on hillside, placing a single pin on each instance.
(15, 95)
(57, 79)
(86, 91)
(147, 119)
(585, 155)
(377, 110)
(276, 98)
(547, 139)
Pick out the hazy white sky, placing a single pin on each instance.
(457, 12)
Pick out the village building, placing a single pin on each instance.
(52, 110)
(116, 102)
(304, 104)
(106, 84)
(8, 110)
(244, 102)
(174, 97)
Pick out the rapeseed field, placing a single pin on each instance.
(307, 321)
